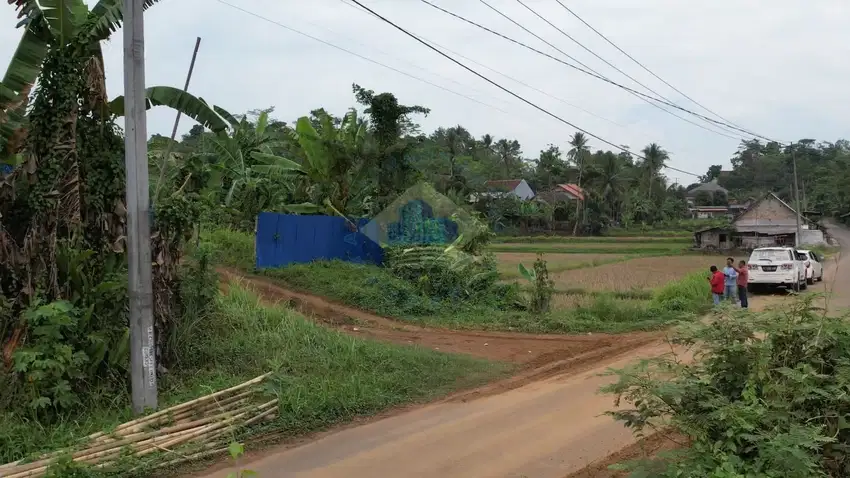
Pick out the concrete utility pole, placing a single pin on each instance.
(142, 346)
(796, 197)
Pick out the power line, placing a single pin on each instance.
(610, 42)
(562, 32)
(596, 73)
(506, 90)
(520, 82)
(363, 57)
(524, 45)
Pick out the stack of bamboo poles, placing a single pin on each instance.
(203, 425)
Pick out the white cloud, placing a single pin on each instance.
(775, 67)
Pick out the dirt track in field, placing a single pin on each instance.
(546, 422)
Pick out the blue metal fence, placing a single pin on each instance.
(284, 239)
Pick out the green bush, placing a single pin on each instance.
(442, 273)
(766, 395)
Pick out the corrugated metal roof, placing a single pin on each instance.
(573, 189)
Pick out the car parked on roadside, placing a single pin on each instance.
(814, 266)
(777, 267)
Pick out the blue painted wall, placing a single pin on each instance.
(284, 239)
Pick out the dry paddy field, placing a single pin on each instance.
(509, 261)
(635, 274)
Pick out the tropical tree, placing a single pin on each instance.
(509, 154)
(457, 142)
(655, 158)
(338, 154)
(68, 28)
(578, 154)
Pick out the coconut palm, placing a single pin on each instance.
(655, 158)
(578, 154)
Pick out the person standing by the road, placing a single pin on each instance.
(743, 279)
(716, 281)
(731, 283)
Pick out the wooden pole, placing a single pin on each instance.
(170, 145)
(142, 346)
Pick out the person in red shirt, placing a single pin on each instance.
(743, 278)
(717, 281)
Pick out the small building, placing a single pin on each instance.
(563, 193)
(768, 222)
(709, 212)
(499, 188)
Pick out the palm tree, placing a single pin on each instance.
(655, 158)
(457, 142)
(608, 176)
(508, 152)
(578, 154)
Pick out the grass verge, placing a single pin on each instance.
(322, 377)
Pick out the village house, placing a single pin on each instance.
(500, 188)
(769, 221)
(563, 193)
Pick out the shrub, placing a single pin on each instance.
(443, 273)
(766, 395)
(542, 287)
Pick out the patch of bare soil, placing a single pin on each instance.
(646, 447)
(544, 354)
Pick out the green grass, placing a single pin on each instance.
(567, 240)
(375, 289)
(633, 248)
(322, 377)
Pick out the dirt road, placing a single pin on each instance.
(546, 425)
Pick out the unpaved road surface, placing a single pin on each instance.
(545, 423)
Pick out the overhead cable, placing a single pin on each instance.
(506, 90)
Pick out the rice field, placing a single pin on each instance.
(508, 262)
(602, 247)
(635, 274)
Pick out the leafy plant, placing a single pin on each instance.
(48, 363)
(542, 287)
(237, 450)
(764, 396)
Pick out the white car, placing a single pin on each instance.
(776, 267)
(814, 266)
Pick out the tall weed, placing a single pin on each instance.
(766, 395)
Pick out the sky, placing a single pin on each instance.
(775, 67)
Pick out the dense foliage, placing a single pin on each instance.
(766, 395)
(823, 172)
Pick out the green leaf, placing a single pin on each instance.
(273, 164)
(317, 154)
(109, 16)
(249, 473)
(236, 450)
(184, 102)
(63, 17)
(303, 208)
(527, 274)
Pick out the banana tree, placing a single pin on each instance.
(336, 157)
(50, 25)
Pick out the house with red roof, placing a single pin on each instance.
(563, 193)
